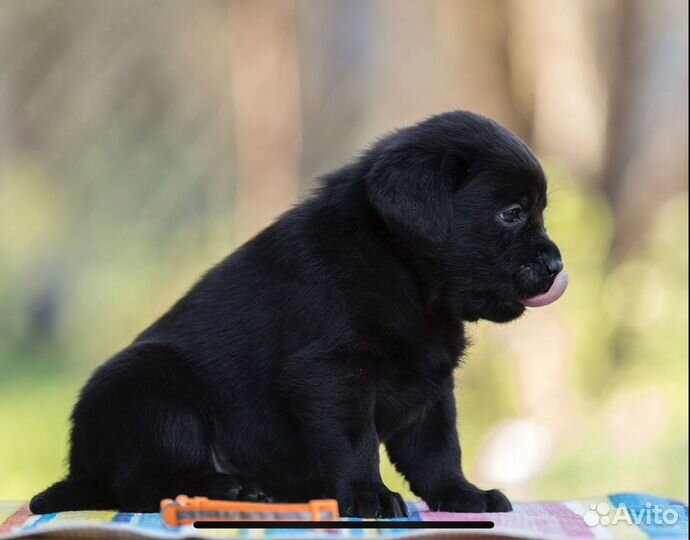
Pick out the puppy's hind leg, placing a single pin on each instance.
(146, 490)
(167, 451)
(72, 493)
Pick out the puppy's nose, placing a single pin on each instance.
(554, 264)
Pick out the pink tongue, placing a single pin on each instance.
(558, 287)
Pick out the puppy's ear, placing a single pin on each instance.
(413, 192)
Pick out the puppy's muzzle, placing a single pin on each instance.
(532, 279)
(537, 277)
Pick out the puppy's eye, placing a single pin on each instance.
(512, 214)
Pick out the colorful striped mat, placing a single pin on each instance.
(620, 516)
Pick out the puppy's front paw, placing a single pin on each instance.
(497, 502)
(375, 501)
(465, 497)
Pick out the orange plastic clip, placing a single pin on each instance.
(186, 510)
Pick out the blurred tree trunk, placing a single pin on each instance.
(646, 148)
(622, 70)
(339, 45)
(557, 80)
(266, 111)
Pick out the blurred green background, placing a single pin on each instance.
(142, 141)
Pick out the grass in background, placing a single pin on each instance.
(34, 413)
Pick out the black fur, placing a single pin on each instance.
(335, 330)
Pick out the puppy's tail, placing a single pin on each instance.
(72, 494)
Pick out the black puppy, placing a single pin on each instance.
(335, 330)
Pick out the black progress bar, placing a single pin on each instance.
(343, 524)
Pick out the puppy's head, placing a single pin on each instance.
(465, 193)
